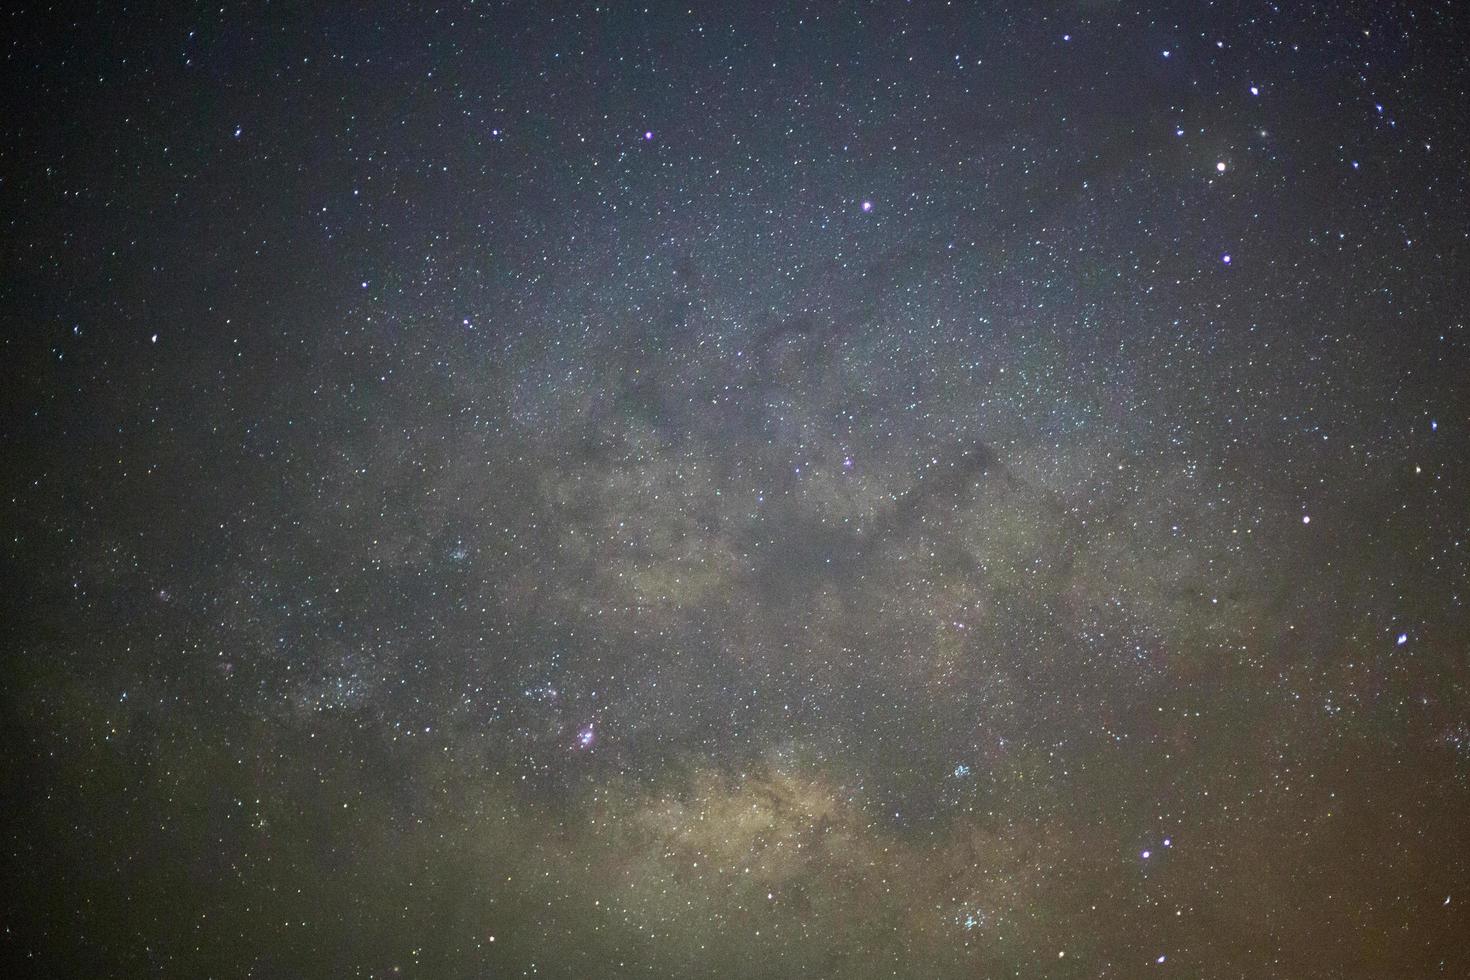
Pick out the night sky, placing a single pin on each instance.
(906, 490)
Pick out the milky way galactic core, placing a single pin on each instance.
(822, 490)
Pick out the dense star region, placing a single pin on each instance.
(881, 489)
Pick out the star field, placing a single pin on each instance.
(825, 490)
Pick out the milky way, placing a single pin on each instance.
(873, 490)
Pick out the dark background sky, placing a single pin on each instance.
(884, 489)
